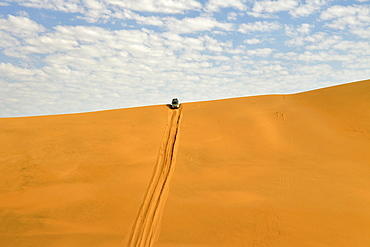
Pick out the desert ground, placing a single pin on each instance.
(274, 170)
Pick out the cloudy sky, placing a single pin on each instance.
(66, 56)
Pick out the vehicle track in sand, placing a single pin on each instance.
(148, 220)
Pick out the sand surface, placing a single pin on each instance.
(281, 170)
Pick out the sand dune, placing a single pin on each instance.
(280, 170)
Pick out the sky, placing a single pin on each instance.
(70, 56)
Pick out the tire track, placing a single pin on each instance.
(148, 220)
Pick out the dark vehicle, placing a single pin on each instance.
(175, 104)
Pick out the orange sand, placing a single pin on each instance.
(282, 170)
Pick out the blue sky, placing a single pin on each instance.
(70, 56)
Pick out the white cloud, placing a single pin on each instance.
(252, 41)
(359, 47)
(158, 6)
(259, 26)
(94, 4)
(309, 56)
(315, 70)
(260, 15)
(343, 16)
(142, 20)
(150, 20)
(274, 6)
(197, 24)
(359, 64)
(175, 42)
(298, 33)
(319, 40)
(232, 16)
(77, 6)
(305, 28)
(216, 5)
(23, 13)
(215, 45)
(12, 72)
(8, 40)
(71, 6)
(4, 4)
(296, 8)
(290, 31)
(308, 8)
(263, 52)
(363, 32)
(356, 18)
(326, 48)
(20, 26)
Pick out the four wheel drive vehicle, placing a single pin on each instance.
(175, 104)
